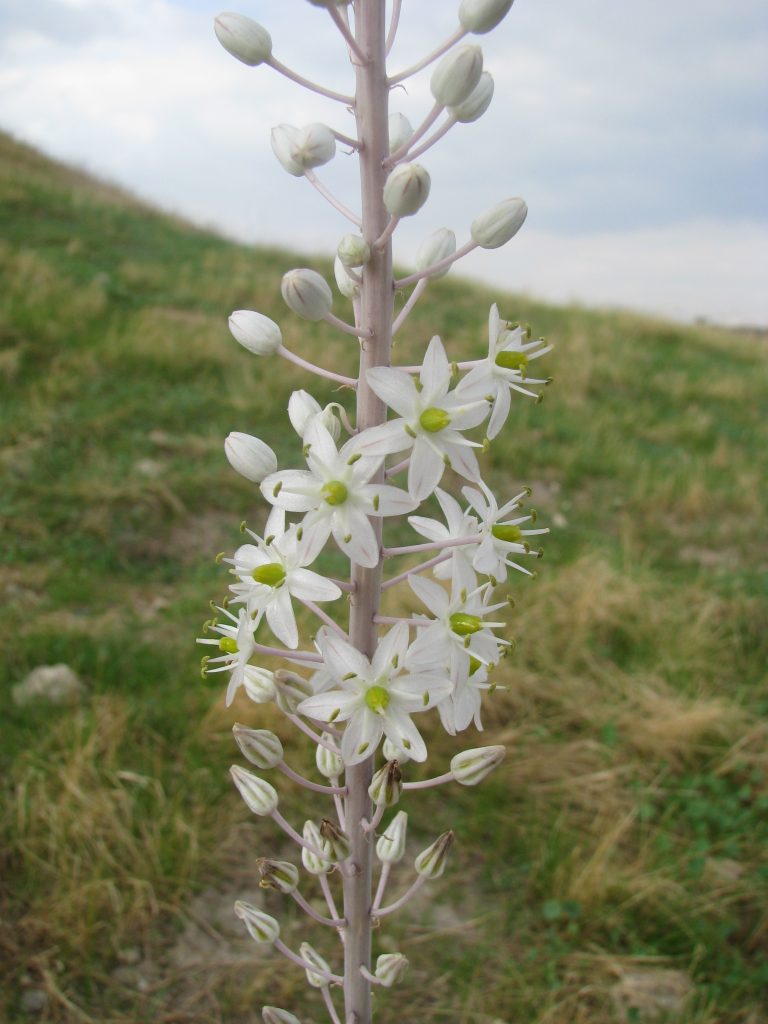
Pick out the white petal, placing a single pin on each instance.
(395, 388)
(430, 594)
(425, 470)
(435, 373)
(341, 657)
(332, 705)
(361, 736)
(295, 490)
(451, 509)
(383, 440)
(393, 645)
(429, 528)
(500, 412)
(280, 618)
(311, 586)
(275, 524)
(463, 461)
(486, 559)
(322, 455)
(315, 530)
(410, 690)
(478, 383)
(403, 733)
(392, 501)
(354, 534)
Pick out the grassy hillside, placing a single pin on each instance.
(619, 855)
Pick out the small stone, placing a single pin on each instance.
(34, 1000)
(129, 956)
(653, 992)
(150, 468)
(52, 684)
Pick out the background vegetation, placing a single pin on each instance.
(613, 869)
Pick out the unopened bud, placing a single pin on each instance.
(347, 285)
(390, 847)
(441, 243)
(277, 874)
(353, 251)
(456, 75)
(480, 16)
(476, 104)
(313, 862)
(307, 294)
(250, 456)
(406, 190)
(260, 746)
(391, 968)
(471, 766)
(243, 37)
(312, 959)
(328, 762)
(301, 149)
(393, 753)
(274, 1015)
(260, 797)
(328, 3)
(335, 842)
(259, 685)
(387, 784)
(255, 332)
(496, 226)
(431, 862)
(261, 926)
(400, 131)
(290, 690)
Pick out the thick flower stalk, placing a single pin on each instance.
(361, 686)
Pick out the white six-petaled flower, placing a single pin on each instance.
(375, 698)
(430, 421)
(237, 646)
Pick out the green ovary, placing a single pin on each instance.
(227, 645)
(433, 420)
(334, 492)
(377, 699)
(464, 624)
(512, 360)
(271, 575)
(510, 534)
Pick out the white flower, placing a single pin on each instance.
(406, 190)
(336, 495)
(431, 418)
(347, 285)
(465, 703)
(480, 16)
(301, 149)
(476, 104)
(237, 646)
(495, 226)
(271, 572)
(376, 697)
(459, 630)
(459, 526)
(255, 332)
(250, 456)
(306, 293)
(456, 75)
(503, 370)
(501, 535)
(243, 37)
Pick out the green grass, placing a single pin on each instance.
(626, 832)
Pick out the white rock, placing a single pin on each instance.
(54, 684)
(34, 1000)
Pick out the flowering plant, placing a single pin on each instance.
(359, 690)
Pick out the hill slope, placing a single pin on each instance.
(627, 830)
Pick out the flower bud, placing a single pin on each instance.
(456, 75)
(335, 842)
(328, 763)
(255, 332)
(243, 37)
(406, 190)
(353, 251)
(496, 226)
(441, 243)
(260, 746)
(313, 959)
(476, 104)
(301, 149)
(261, 926)
(302, 407)
(391, 968)
(290, 690)
(387, 784)
(277, 874)
(260, 797)
(274, 1015)
(346, 284)
(430, 863)
(328, 3)
(480, 16)
(258, 683)
(393, 753)
(471, 766)
(314, 864)
(250, 456)
(390, 847)
(400, 131)
(307, 294)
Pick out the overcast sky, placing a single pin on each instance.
(636, 132)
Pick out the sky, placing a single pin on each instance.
(636, 133)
